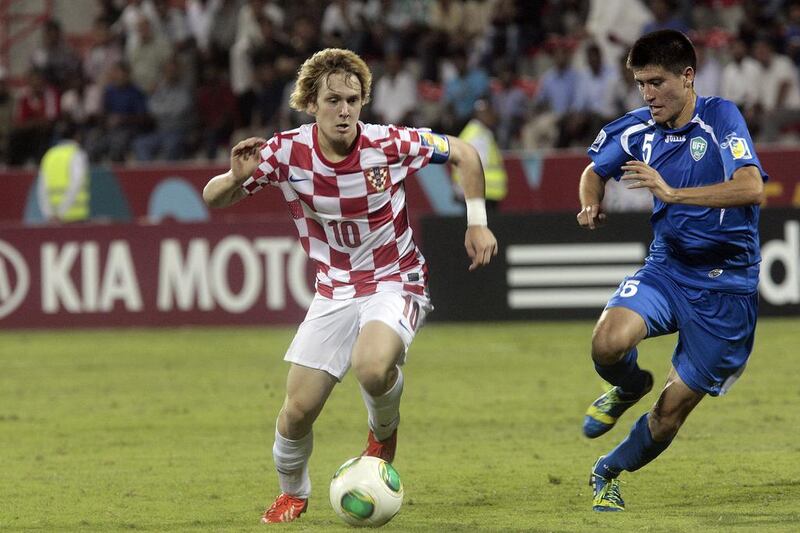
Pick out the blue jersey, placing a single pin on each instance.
(701, 247)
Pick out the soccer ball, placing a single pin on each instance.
(366, 491)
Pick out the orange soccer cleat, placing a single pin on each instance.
(285, 509)
(383, 449)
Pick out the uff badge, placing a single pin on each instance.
(698, 148)
(378, 177)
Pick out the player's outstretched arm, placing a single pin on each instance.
(745, 188)
(479, 240)
(226, 189)
(591, 191)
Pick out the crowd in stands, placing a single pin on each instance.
(183, 79)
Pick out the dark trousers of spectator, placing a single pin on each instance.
(28, 144)
(112, 142)
(246, 103)
(779, 121)
(160, 144)
(213, 138)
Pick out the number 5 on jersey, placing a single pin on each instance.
(629, 288)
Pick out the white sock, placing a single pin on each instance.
(384, 410)
(291, 462)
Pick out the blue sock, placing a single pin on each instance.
(634, 452)
(625, 373)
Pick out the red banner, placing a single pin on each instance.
(157, 275)
(536, 184)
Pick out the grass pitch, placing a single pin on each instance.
(171, 430)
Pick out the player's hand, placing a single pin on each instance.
(639, 175)
(591, 217)
(244, 157)
(481, 245)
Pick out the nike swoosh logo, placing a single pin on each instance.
(403, 326)
(295, 180)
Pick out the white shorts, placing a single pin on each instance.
(326, 337)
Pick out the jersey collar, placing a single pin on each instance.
(354, 154)
(699, 106)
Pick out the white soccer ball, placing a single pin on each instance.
(366, 491)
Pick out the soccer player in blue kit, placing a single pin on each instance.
(700, 278)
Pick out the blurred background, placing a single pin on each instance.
(114, 114)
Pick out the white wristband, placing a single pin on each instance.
(476, 212)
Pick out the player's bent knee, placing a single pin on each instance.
(372, 377)
(609, 345)
(298, 415)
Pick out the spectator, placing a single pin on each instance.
(341, 25)
(170, 108)
(170, 22)
(558, 89)
(148, 58)
(462, 91)
(779, 94)
(103, 53)
(395, 93)
(708, 79)
(397, 25)
(124, 116)
(63, 183)
(664, 13)
(222, 33)
(200, 20)
(625, 95)
(35, 113)
(558, 96)
(447, 31)
(615, 24)
(109, 11)
(216, 110)
(503, 31)
(6, 114)
(127, 25)
(266, 45)
(81, 103)
(268, 95)
(303, 39)
(55, 59)
(791, 31)
(741, 77)
(509, 104)
(595, 95)
(478, 133)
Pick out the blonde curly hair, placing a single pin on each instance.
(317, 68)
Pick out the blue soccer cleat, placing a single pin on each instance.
(606, 496)
(604, 412)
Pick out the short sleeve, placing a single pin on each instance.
(607, 151)
(735, 144)
(267, 170)
(418, 147)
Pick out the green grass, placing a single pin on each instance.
(171, 430)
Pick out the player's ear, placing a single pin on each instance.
(312, 108)
(688, 77)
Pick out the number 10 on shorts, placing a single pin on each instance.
(411, 311)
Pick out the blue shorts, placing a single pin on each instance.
(715, 329)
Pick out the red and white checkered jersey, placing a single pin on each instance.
(351, 216)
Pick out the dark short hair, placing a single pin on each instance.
(669, 49)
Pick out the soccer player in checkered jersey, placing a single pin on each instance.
(343, 183)
(695, 155)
